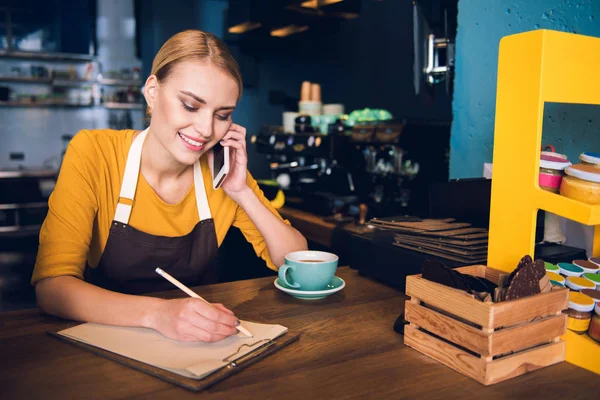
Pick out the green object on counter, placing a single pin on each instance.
(368, 115)
(551, 267)
(267, 182)
(594, 278)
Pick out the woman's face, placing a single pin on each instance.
(191, 109)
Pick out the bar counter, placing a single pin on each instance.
(347, 349)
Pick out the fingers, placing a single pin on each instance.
(235, 132)
(191, 319)
(222, 307)
(240, 156)
(211, 326)
(214, 318)
(234, 137)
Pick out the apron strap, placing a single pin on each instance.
(201, 198)
(130, 178)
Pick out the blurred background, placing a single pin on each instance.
(354, 108)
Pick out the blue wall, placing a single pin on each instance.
(481, 25)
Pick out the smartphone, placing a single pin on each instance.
(220, 164)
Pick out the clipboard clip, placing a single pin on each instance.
(234, 363)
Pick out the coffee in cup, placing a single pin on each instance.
(308, 270)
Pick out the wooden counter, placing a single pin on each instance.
(347, 350)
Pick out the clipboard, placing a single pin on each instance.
(235, 364)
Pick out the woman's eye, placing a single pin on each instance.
(222, 117)
(189, 108)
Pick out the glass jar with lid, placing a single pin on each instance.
(579, 312)
(590, 158)
(551, 172)
(594, 331)
(582, 183)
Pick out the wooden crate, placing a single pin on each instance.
(489, 342)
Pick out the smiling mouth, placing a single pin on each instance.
(191, 141)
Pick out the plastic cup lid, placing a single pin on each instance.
(590, 157)
(587, 266)
(551, 153)
(550, 267)
(581, 302)
(595, 260)
(585, 172)
(597, 309)
(570, 269)
(592, 277)
(555, 277)
(553, 162)
(554, 283)
(593, 293)
(578, 283)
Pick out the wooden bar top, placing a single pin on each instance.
(347, 349)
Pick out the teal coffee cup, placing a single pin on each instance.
(308, 270)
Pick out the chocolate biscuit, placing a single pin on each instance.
(523, 262)
(526, 281)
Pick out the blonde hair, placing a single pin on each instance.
(195, 44)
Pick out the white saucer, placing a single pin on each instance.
(335, 286)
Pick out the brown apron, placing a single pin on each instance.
(131, 256)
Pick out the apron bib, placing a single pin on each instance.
(131, 256)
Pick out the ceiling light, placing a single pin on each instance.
(288, 30)
(244, 27)
(318, 3)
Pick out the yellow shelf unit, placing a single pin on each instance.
(534, 68)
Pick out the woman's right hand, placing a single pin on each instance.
(192, 320)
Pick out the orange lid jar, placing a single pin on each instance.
(581, 183)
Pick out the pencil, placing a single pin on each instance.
(190, 293)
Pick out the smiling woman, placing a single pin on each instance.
(127, 202)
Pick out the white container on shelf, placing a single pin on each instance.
(310, 107)
(289, 122)
(333, 109)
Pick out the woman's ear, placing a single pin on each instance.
(151, 91)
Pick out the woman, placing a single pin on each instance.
(127, 202)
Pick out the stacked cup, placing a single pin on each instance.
(310, 99)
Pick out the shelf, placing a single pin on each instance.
(50, 103)
(41, 104)
(119, 82)
(25, 79)
(568, 208)
(35, 55)
(582, 351)
(20, 230)
(72, 82)
(28, 173)
(124, 106)
(46, 81)
(534, 68)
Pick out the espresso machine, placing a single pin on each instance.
(305, 167)
(387, 166)
(395, 162)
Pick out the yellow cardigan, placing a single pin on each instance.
(82, 207)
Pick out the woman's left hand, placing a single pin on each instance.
(235, 183)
